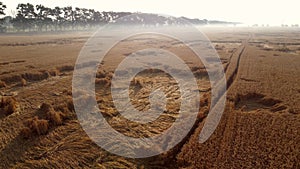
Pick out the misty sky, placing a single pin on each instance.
(273, 12)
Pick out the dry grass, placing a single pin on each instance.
(255, 101)
(54, 72)
(23, 82)
(284, 49)
(45, 107)
(103, 81)
(33, 76)
(269, 101)
(2, 84)
(67, 92)
(12, 79)
(109, 75)
(259, 126)
(65, 68)
(253, 95)
(294, 111)
(200, 73)
(101, 74)
(46, 119)
(265, 137)
(205, 100)
(66, 107)
(138, 83)
(70, 105)
(219, 47)
(55, 118)
(26, 132)
(37, 76)
(8, 105)
(35, 126)
(153, 71)
(85, 100)
(203, 112)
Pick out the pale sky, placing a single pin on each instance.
(273, 12)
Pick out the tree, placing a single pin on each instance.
(78, 16)
(2, 8)
(89, 15)
(58, 19)
(43, 16)
(25, 18)
(106, 16)
(96, 18)
(69, 16)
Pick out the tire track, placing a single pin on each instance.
(229, 60)
(171, 158)
(231, 120)
(230, 80)
(232, 77)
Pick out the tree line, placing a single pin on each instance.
(39, 18)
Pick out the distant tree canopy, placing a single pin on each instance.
(41, 18)
(2, 8)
